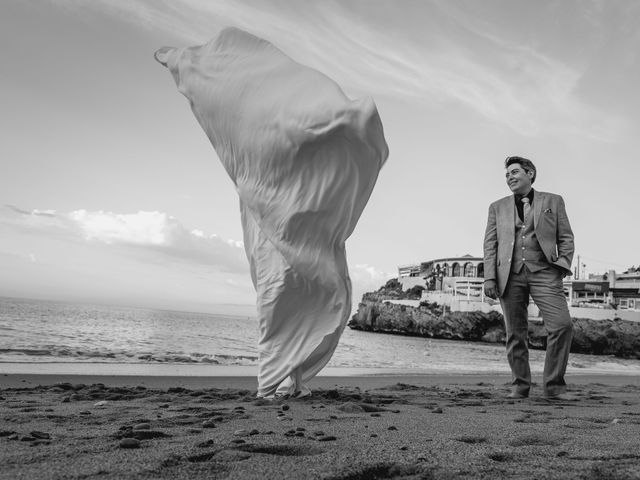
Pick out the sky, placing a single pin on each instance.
(110, 191)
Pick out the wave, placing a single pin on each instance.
(59, 354)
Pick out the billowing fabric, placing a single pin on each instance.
(304, 159)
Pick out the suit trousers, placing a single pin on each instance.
(545, 287)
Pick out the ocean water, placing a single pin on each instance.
(39, 333)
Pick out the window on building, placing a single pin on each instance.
(469, 270)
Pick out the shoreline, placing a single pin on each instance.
(374, 380)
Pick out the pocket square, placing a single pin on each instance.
(548, 210)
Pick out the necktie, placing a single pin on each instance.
(526, 208)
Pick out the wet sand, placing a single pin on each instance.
(423, 426)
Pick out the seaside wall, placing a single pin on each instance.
(617, 337)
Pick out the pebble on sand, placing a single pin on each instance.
(232, 456)
(350, 407)
(40, 442)
(129, 443)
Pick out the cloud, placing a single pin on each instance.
(142, 228)
(152, 239)
(35, 213)
(430, 53)
(155, 232)
(368, 278)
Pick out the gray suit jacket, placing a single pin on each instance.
(552, 229)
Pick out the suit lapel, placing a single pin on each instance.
(509, 214)
(538, 200)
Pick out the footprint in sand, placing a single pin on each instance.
(281, 450)
(535, 439)
(471, 439)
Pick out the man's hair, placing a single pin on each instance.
(527, 165)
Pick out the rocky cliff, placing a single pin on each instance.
(599, 337)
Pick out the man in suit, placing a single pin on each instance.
(528, 249)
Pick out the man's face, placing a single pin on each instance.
(518, 179)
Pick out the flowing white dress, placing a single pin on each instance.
(304, 159)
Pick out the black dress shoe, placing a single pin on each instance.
(517, 395)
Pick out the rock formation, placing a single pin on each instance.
(620, 338)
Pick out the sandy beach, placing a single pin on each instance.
(366, 427)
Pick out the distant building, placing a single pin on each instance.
(409, 271)
(625, 289)
(465, 266)
(436, 274)
(621, 290)
(587, 291)
(457, 282)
